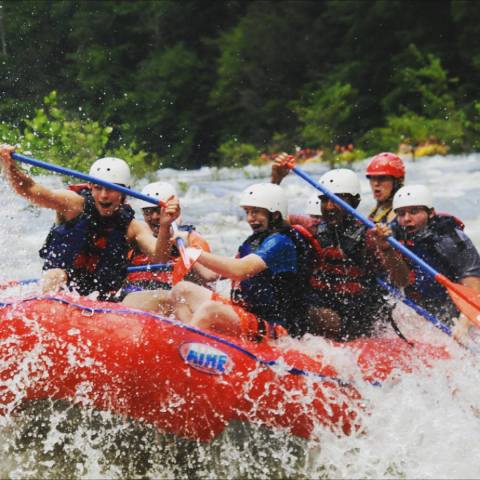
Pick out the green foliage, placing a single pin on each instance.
(324, 115)
(235, 154)
(178, 79)
(420, 84)
(9, 134)
(65, 141)
(349, 157)
(164, 82)
(472, 126)
(422, 107)
(414, 130)
(75, 143)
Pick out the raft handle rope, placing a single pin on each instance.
(155, 317)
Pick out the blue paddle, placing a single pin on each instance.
(428, 316)
(151, 267)
(104, 183)
(466, 299)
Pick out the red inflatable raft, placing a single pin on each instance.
(180, 379)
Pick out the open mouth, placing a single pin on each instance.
(154, 226)
(255, 226)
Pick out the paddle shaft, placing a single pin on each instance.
(428, 316)
(103, 183)
(151, 267)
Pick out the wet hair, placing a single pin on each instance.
(396, 186)
(277, 222)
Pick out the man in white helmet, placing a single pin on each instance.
(346, 301)
(440, 241)
(138, 285)
(87, 247)
(270, 274)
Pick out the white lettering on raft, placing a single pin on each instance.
(206, 358)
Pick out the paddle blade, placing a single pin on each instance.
(180, 269)
(465, 298)
(468, 303)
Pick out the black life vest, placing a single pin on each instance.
(341, 261)
(276, 297)
(427, 244)
(92, 249)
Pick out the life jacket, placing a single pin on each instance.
(427, 244)
(341, 268)
(92, 249)
(275, 297)
(153, 280)
(382, 214)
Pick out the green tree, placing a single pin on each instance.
(420, 107)
(263, 63)
(420, 84)
(235, 154)
(324, 116)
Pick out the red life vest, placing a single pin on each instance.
(149, 279)
(159, 279)
(341, 267)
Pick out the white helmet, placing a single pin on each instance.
(314, 205)
(413, 196)
(158, 191)
(111, 169)
(341, 180)
(265, 195)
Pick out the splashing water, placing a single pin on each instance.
(419, 425)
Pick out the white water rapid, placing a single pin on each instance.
(423, 425)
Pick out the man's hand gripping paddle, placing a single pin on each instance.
(466, 299)
(187, 262)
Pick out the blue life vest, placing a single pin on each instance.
(92, 249)
(276, 297)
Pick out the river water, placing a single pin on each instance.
(424, 425)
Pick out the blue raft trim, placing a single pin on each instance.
(153, 316)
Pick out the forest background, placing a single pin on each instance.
(189, 83)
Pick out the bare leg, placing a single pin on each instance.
(152, 300)
(186, 297)
(53, 280)
(217, 317)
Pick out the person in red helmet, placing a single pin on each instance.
(386, 173)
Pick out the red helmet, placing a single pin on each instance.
(386, 164)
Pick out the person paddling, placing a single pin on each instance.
(386, 174)
(440, 241)
(270, 275)
(346, 300)
(86, 249)
(138, 285)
